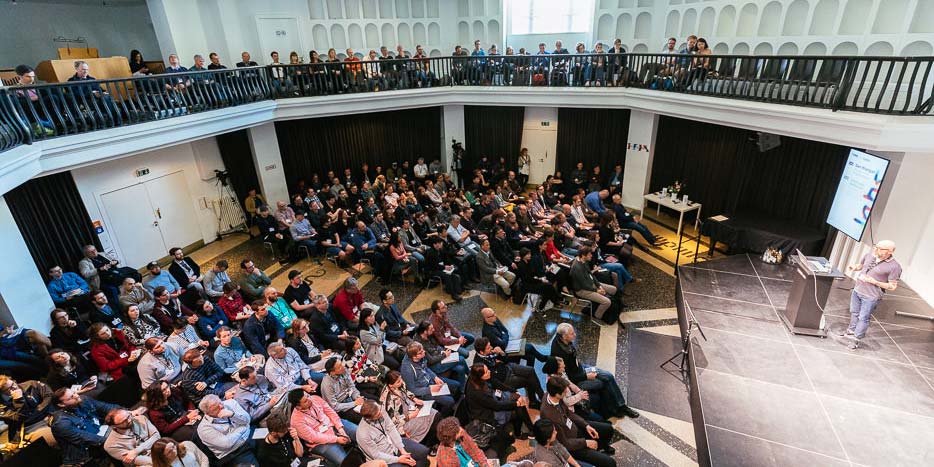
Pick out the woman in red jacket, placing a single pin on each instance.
(170, 411)
(110, 350)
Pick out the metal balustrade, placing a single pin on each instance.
(884, 85)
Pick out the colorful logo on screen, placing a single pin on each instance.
(870, 198)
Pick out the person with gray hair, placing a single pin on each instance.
(876, 274)
(590, 379)
(131, 437)
(286, 370)
(460, 235)
(326, 329)
(225, 431)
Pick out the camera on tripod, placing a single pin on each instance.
(223, 176)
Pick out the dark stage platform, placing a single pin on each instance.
(769, 398)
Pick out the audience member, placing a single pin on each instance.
(379, 439)
(254, 394)
(131, 437)
(77, 427)
(202, 377)
(253, 280)
(68, 333)
(286, 370)
(170, 411)
(133, 293)
(587, 441)
(226, 431)
(161, 362)
(319, 427)
(215, 279)
(282, 446)
(110, 351)
(167, 452)
(259, 330)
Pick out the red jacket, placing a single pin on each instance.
(159, 419)
(344, 303)
(110, 360)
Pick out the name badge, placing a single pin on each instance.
(447, 334)
(334, 328)
(569, 423)
(323, 428)
(498, 393)
(271, 229)
(124, 355)
(295, 463)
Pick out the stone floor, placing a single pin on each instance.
(659, 437)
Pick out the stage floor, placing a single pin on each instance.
(773, 398)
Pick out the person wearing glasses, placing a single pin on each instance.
(877, 273)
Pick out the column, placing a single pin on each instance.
(268, 163)
(643, 128)
(453, 116)
(24, 299)
(179, 28)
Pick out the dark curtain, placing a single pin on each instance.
(237, 154)
(592, 136)
(53, 220)
(317, 145)
(723, 169)
(492, 131)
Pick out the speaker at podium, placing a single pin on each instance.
(810, 290)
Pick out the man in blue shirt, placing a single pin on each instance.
(77, 426)
(594, 201)
(478, 65)
(159, 277)
(68, 289)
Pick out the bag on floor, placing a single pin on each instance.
(482, 433)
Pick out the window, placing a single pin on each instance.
(550, 16)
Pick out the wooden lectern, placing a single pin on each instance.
(810, 290)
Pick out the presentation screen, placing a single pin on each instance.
(857, 193)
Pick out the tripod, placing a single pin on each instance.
(685, 345)
(230, 215)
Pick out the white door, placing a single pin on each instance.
(174, 208)
(541, 144)
(134, 225)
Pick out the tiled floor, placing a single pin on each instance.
(773, 398)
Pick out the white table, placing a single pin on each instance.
(674, 205)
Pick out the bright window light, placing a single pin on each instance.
(550, 16)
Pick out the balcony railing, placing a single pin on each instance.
(884, 85)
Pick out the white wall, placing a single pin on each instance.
(198, 161)
(23, 296)
(541, 140)
(29, 27)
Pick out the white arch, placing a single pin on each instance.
(825, 14)
(890, 17)
(434, 34)
(672, 23)
(402, 9)
(918, 49)
(746, 26)
(855, 17)
(643, 29)
(419, 35)
(846, 48)
(352, 9)
(372, 36)
(795, 17)
(463, 34)
(479, 32)
(770, 23)
(707, 18)
(356, 36)
(389, 36)
(624, 26)
(319, 37)
(335, 9)
(494, 32)
(605, 26)
(316, 9)
(338, 39)
(370, 10)
(689, 22)
(815, 48)
(881, 48)
(405, 35)
(727, 22)
(788, 48)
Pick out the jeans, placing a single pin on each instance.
(861, 309)
(593, 457)
(334, 453)
(642, 229)
(611, 397)
(622, 275)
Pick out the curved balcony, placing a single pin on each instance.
(883, 85)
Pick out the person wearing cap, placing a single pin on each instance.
(158, 277)
(347, 303)
(340, 392)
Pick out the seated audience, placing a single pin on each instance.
(593, 380)
(67, 370)
(496, 408)
(287, 371)
(140, 326)
(439, 264)
(442, 360)
(110, 351)
(586, 286)
(202, 377)
(186, 272)
(167, 452)
(226, 431)
(231, 354)
(210, 318)
(534, 279)
(403, 408)
(68, 289)
(548, 449)
(169, 309)
(102, 312)
(492, 272)
(282, 446)
(506, 375)
(423, 382)
(495, 332)
(253, 280)
(170, 411)
(373, 340)
(68, 333)
(215, 279)
(327, 330)
(311, 353)
(254, 394)
(456, 447)
(398, 329)
(278, 308)
(184, 337)
(160, 278)
(233, 305)
(131, 437)
(76, 426)
(379, 439)
(101, 272)
(260, 330)
(298, 294)
(587, 441)
(445, 333)
(338, 389)
(347, 303)
(24, 407)
(161, 362)
(576, 398)
(320, 428)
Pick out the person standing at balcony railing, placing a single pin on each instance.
(580, 68)
(477, 66)
(494, 67)
(560, 65)
(245, 61)
(598, 64)
(277, 71)
(335, 72)
(374, 79)
(425, 75)
(663, 68)
(215, 62)
(85, 95)
(616, 63)
(509, 66)
(354, 70)
(459, 72)
(405, 66)
(39, 124)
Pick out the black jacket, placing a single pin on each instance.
(179, 274)
(482, 404)
(572, 365)
(502, 251)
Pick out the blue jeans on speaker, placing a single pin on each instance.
(861, 309)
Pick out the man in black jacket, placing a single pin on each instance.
(398, 329)
(439, 264)
(593, 380)
(500, 248)
(494, 331)
(269, 231)
(327, 330)
(26, 404)
(506, 375)
(186, 272)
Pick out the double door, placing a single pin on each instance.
(148, 218)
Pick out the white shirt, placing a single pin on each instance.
(420, 170)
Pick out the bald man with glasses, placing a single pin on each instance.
(876, 274)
